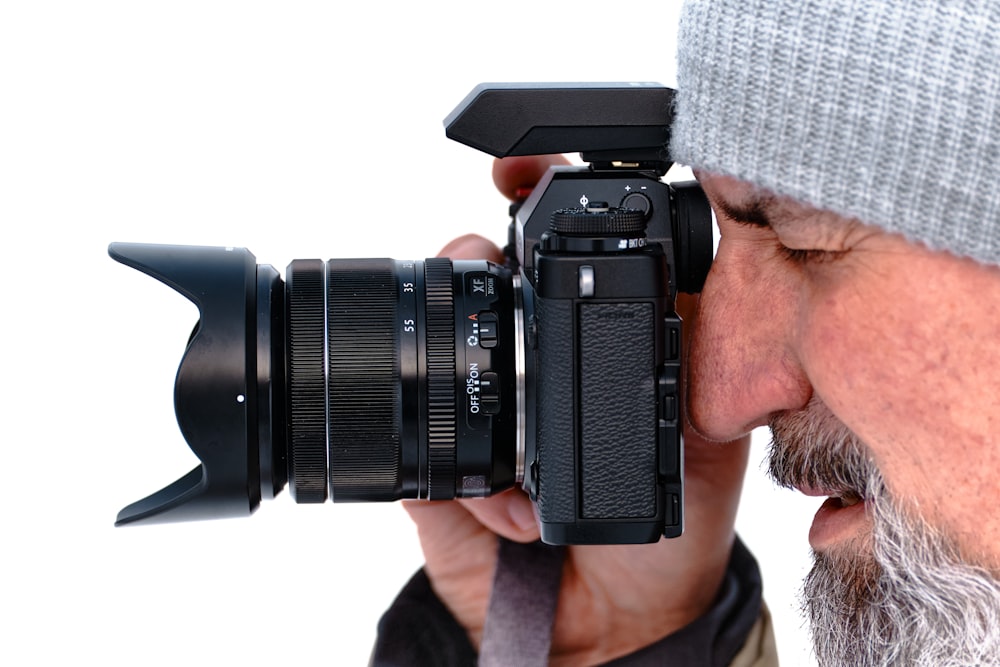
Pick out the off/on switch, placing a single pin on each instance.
(489, 392)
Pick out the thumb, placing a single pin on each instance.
(472, 246)
(516, 176)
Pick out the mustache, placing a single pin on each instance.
(811, 448)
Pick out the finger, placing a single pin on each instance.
(687, 307)
(516, 176)
(510, 514)
(472, 246)
(445, 525)
(460, 558)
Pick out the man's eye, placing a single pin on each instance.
(809, 256)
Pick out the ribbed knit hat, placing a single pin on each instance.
(883, 110)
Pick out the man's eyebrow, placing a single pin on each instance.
(752, 212)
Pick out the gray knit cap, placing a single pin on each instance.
(883, 110)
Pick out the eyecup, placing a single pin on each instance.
(692, 237)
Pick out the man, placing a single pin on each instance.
(851, 151)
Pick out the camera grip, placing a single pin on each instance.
(617, 411)
(597, 422)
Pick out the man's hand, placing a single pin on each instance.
(614, 599)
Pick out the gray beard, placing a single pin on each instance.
(899, 596)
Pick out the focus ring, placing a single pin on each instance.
(441, 426)
(306, 381)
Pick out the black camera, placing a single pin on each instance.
(382, 379)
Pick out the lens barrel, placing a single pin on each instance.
(401, 379)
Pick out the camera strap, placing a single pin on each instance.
(522, 607)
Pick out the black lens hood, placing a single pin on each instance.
(223, 412)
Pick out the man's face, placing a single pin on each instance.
(877, 364)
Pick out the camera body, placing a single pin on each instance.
(366, 380)
(606, 343)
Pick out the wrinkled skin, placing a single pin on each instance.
(900, 343)
(876, 367)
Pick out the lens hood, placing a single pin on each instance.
(223, 407)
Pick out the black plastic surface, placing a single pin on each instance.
(215, 410)
(625, 119)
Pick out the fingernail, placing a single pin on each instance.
(523, 515)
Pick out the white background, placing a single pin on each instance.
(297, 130)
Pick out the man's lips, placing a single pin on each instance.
(840, 518)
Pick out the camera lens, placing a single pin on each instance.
(402, 379)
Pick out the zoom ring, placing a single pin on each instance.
(306, 381)
(441, 419)
(364, 383)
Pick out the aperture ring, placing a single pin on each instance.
(441, 407)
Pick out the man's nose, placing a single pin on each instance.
(744, 365)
